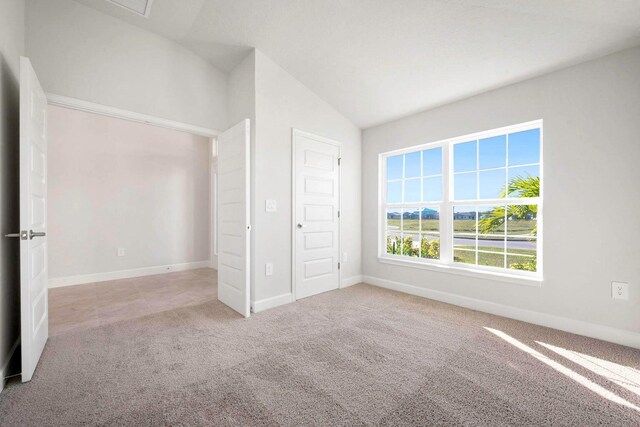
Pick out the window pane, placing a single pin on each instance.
(491, 220)
(394, 220)
(493, 152)
(465, 186)
(394, 167)
(432, 189)
(411, 244)
(491, 259)
(492, 183)
(430, 220)
(394, 192)
(464, 219)
(410, 220)
(465, 257)
(524, 147)
(430, 246)
(412, 165)
(521, 262)
(465, 157)
(394, 244)
(412, 190)
(491, 228)
(432, 161)
(521, 220)
(524, 181)
(521, 246)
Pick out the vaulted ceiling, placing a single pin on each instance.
(378, 60)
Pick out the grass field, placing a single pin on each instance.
(520, 227)
(493, 259)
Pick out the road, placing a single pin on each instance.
(513, 244)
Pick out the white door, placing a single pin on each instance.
(234, 217)
(34, 303)
(316, 175)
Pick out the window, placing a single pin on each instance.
(473, 202)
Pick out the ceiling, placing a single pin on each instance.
(378, 60)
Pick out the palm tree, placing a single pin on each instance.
(528, 186)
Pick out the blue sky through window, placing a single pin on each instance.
(412, 167)
(493, 152)
(432, 161)
(524, 147)
(394, 167)
(465, 157)
(412, 190)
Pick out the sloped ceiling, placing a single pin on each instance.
(378, 60)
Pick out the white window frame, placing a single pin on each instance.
(445, 263)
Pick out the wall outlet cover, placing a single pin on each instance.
(620, 290)
(268, 269)
(121, 252)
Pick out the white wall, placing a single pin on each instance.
(283, 103)
(591, 116)
(115, 183)
(11, 47)
(82, 53)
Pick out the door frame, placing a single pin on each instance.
(295, 133)
(132, 116)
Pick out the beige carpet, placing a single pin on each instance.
(358, 356)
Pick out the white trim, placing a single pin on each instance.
(350, 281)
(272, 302)
(295, 133)
(125, 274)
(460, 270)
(104, 110)
(5, 366)
(592, 330)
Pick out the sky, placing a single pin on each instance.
(481, 168)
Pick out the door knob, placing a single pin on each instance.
(33, 234)
(21, 235)
(301, 225)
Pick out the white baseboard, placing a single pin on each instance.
(350, 281)
(605, 333)
(272, 302)
(125, 274)
(5, 365)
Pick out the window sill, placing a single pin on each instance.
(535, 281)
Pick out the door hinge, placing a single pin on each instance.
(338, 266)
(338, 214)
(339, 158)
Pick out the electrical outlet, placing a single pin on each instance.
(270, 206)
(268, 269)
(120, 251)
(620, 290)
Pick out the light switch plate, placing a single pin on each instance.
(620, 290)
(120, 251)
(270, 206)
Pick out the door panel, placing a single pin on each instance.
(233, 218)
(316, 214)
(34, 306)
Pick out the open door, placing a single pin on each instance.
(34, 304)
(234, 217)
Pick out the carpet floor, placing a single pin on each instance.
(357, 356)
